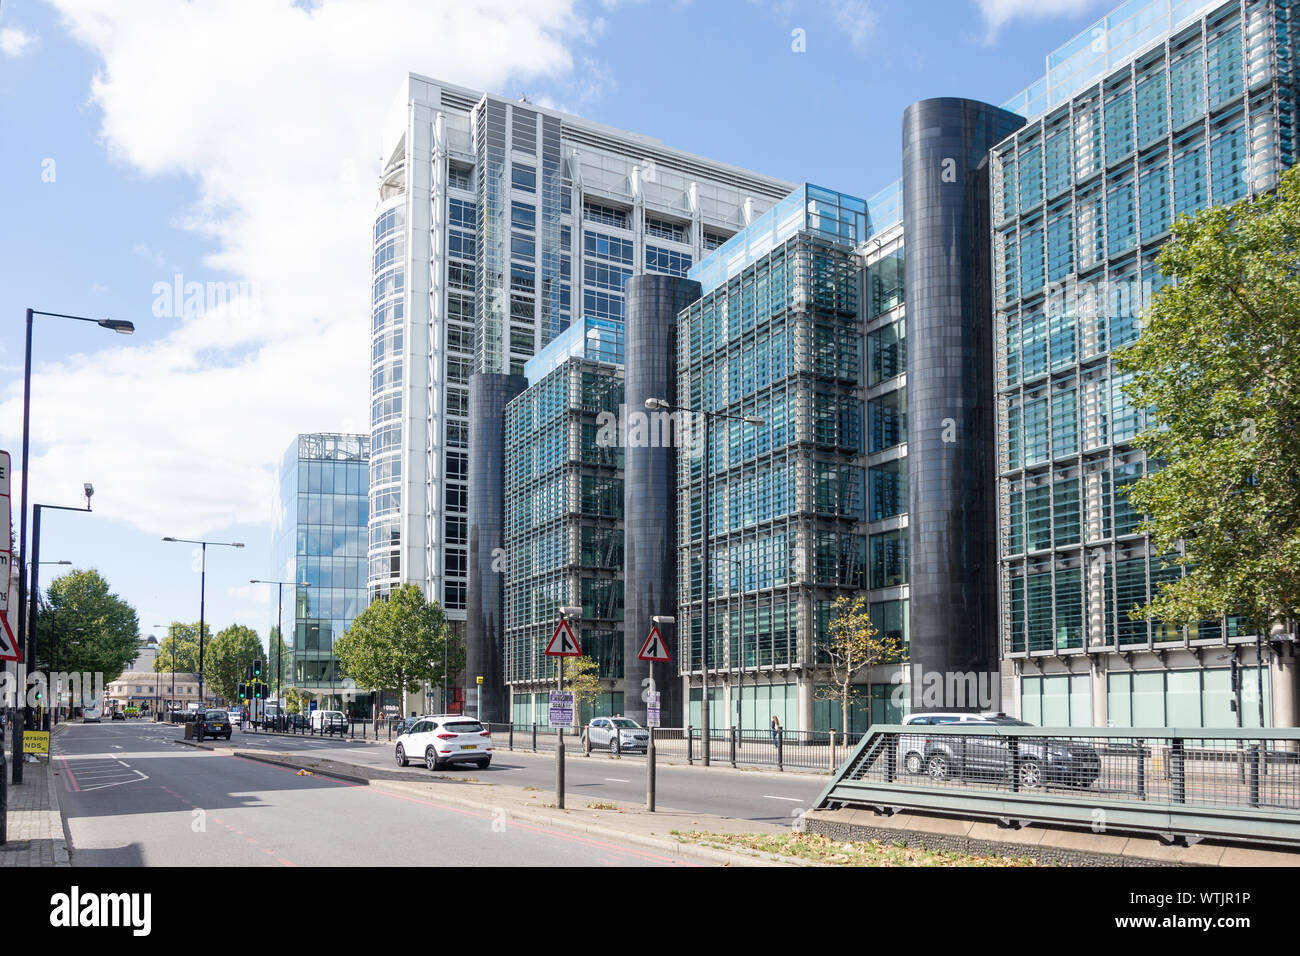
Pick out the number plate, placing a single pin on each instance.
(469, 746)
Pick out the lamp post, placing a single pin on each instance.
(279, 622)
(203, 578)
(658, 404)
(34, 591)
(114, 325)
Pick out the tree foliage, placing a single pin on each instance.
(582, 676)
(395, 644)
(854, 644)
(1219, 361)
(83, 626)
(184, 638)
(226, 659)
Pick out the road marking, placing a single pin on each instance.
(617, 780)
(791, 799)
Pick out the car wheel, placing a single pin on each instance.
(482, 764)
(401, 756)
(912, 763)
(431, 759)
(613, 746)
(937, 766)
(1031, 775)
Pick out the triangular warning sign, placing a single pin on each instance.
(654, 648)
(9, 649)
(564, 643)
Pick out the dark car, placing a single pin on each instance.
(1039, 761)
(212, 723)
(118, 715)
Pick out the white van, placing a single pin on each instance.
(328, 722)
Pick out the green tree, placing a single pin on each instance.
(853, 645)
(395, 644)
(1219, 362)
(226, 659)
(582, 676)
(95, 630)
(184, 638)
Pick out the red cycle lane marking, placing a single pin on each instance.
(72, 777)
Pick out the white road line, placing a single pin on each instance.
(618, 780)
(767, 796)
(125, 764)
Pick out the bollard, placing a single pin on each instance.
(650, 772)
(534, 736)
(511, 744)
(1142, 770)
(690, 742)
(780, 750)
(586, 741)
(559, 768)
(832, 756)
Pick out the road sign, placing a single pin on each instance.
(564, 643)
(654, 648)
(36, 742)
(561, 709)
(652, 709)
(9, 649)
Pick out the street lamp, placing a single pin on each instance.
(33, 594)
(114, 325)
(203, 578)
(659, 404)
(279, 622)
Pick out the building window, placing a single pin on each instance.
(523, 177)
(607, 215)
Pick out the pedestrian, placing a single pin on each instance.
(776, 731)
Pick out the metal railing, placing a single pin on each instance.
(818, 751)
(1193, 783)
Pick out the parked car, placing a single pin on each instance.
(296, 721)
(442, 740)
(617, 734)
(1041, 760)
(116, 715)
(212, 723)
(329, 722)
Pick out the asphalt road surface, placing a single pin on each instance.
(765, 796)
(132, 796)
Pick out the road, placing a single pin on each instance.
(764, 796)
(132, 795)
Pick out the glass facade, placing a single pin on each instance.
(320, 539)
(1082, 199)
(563, 535)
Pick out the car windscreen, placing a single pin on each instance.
(625, 723)
(463, 727)
(216, 715)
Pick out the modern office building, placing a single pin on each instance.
(563, 518)
(499, 225)
(1170, 108)
(319, 539)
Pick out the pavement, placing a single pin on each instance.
(35, 831)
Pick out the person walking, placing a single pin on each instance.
(776, 731)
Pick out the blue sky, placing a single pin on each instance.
(236, 141)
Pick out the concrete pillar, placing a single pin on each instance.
(951, 410)
(806, 719)
(650, 483)
(1285, 680)
(1099, 686)
(489, 393)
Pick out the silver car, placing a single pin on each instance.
(617, 734)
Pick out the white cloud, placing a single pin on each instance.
(856, 18)
(275, 112)
(14, 41)
(998, 13)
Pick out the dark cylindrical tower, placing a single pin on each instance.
(950, 397)
(489, 393)
(650, 485)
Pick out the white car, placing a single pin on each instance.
(329, 722)
(911, 749)
(617, 734)
(441, 740)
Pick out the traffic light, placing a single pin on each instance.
(257, 691)
(257, 669)
(243, 691)
(248, 672)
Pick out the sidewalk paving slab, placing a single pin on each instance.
(35, 826)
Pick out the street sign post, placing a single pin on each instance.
(655, 648)
(560, 712)
(564, 642)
